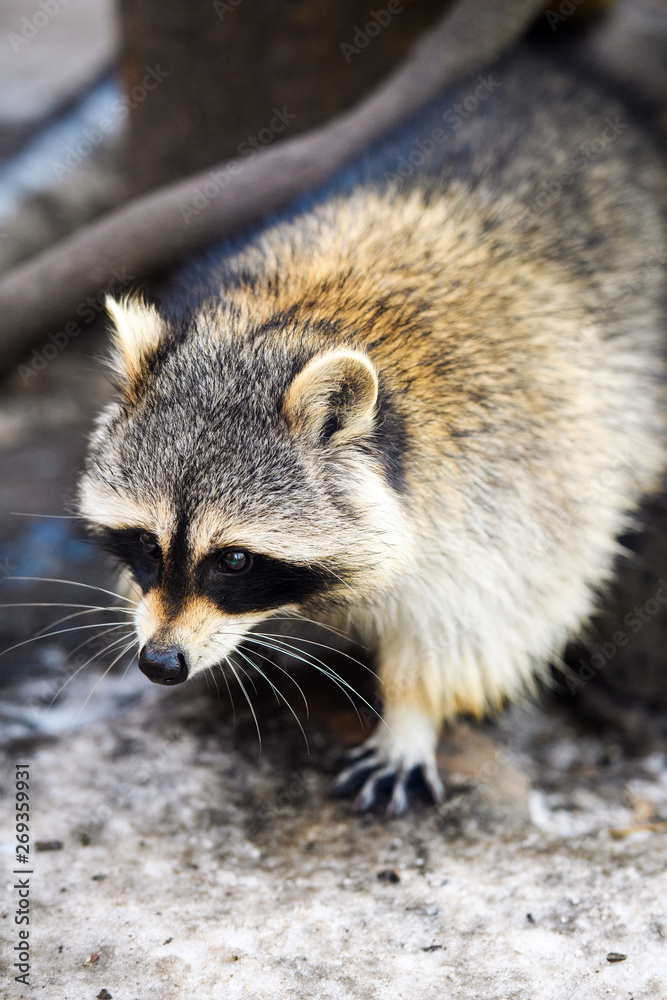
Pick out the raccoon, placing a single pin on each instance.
(422, 404)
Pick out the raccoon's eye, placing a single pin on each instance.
(149, 544)
(235, 561)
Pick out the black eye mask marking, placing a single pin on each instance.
(260, 584)
(135, 548)
(268, 583)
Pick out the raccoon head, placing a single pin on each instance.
(239, 474)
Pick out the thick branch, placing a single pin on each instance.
(159, 228)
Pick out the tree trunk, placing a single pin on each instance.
(207, 81)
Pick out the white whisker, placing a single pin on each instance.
(340, 579)
(78, 670)
(62, 604)
(102, 676)
(68, 618)
(57, 517)
(217, 689)
(62, 631)
(322, 645)
(127, 668)
(92, 638)
(312, 621)
(327, 671)
(71, 583)
(246, 674)
(242, 686)
(287, 674)
(277, 693)
(229, 690)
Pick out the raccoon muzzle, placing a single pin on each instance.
(163, 664)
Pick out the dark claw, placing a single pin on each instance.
(373, 785)
(351, 778)
(371, 776)
(356, 753)
(432, 781)
(398, 803)
(428, 773)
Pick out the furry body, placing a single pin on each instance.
(426, 401)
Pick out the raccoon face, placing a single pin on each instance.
(236, 478)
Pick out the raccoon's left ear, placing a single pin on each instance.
(137, 334)
(333, 398)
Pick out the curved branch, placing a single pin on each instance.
(157, 229)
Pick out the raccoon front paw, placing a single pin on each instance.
(389, 758)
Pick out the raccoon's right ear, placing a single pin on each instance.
(137, 333)
(333, 398)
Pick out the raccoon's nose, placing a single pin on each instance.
(163, 664)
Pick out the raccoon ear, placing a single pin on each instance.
(333, 398)
(137, 333)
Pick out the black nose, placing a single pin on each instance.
(163, 664)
